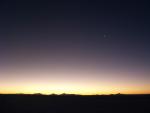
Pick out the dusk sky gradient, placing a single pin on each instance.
(81, 47)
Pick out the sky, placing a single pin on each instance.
(79, 47)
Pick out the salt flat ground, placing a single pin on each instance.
(74, 104)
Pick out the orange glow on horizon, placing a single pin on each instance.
(60, 81)
(71, 89)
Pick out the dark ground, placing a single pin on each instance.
(74, 104)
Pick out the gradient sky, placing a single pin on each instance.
(81, 47)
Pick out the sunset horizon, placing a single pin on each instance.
(74, 47)
(74, 56)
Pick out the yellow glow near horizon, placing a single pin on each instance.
(71, 82)
(72, 89)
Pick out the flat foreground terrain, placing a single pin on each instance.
(74, 104)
